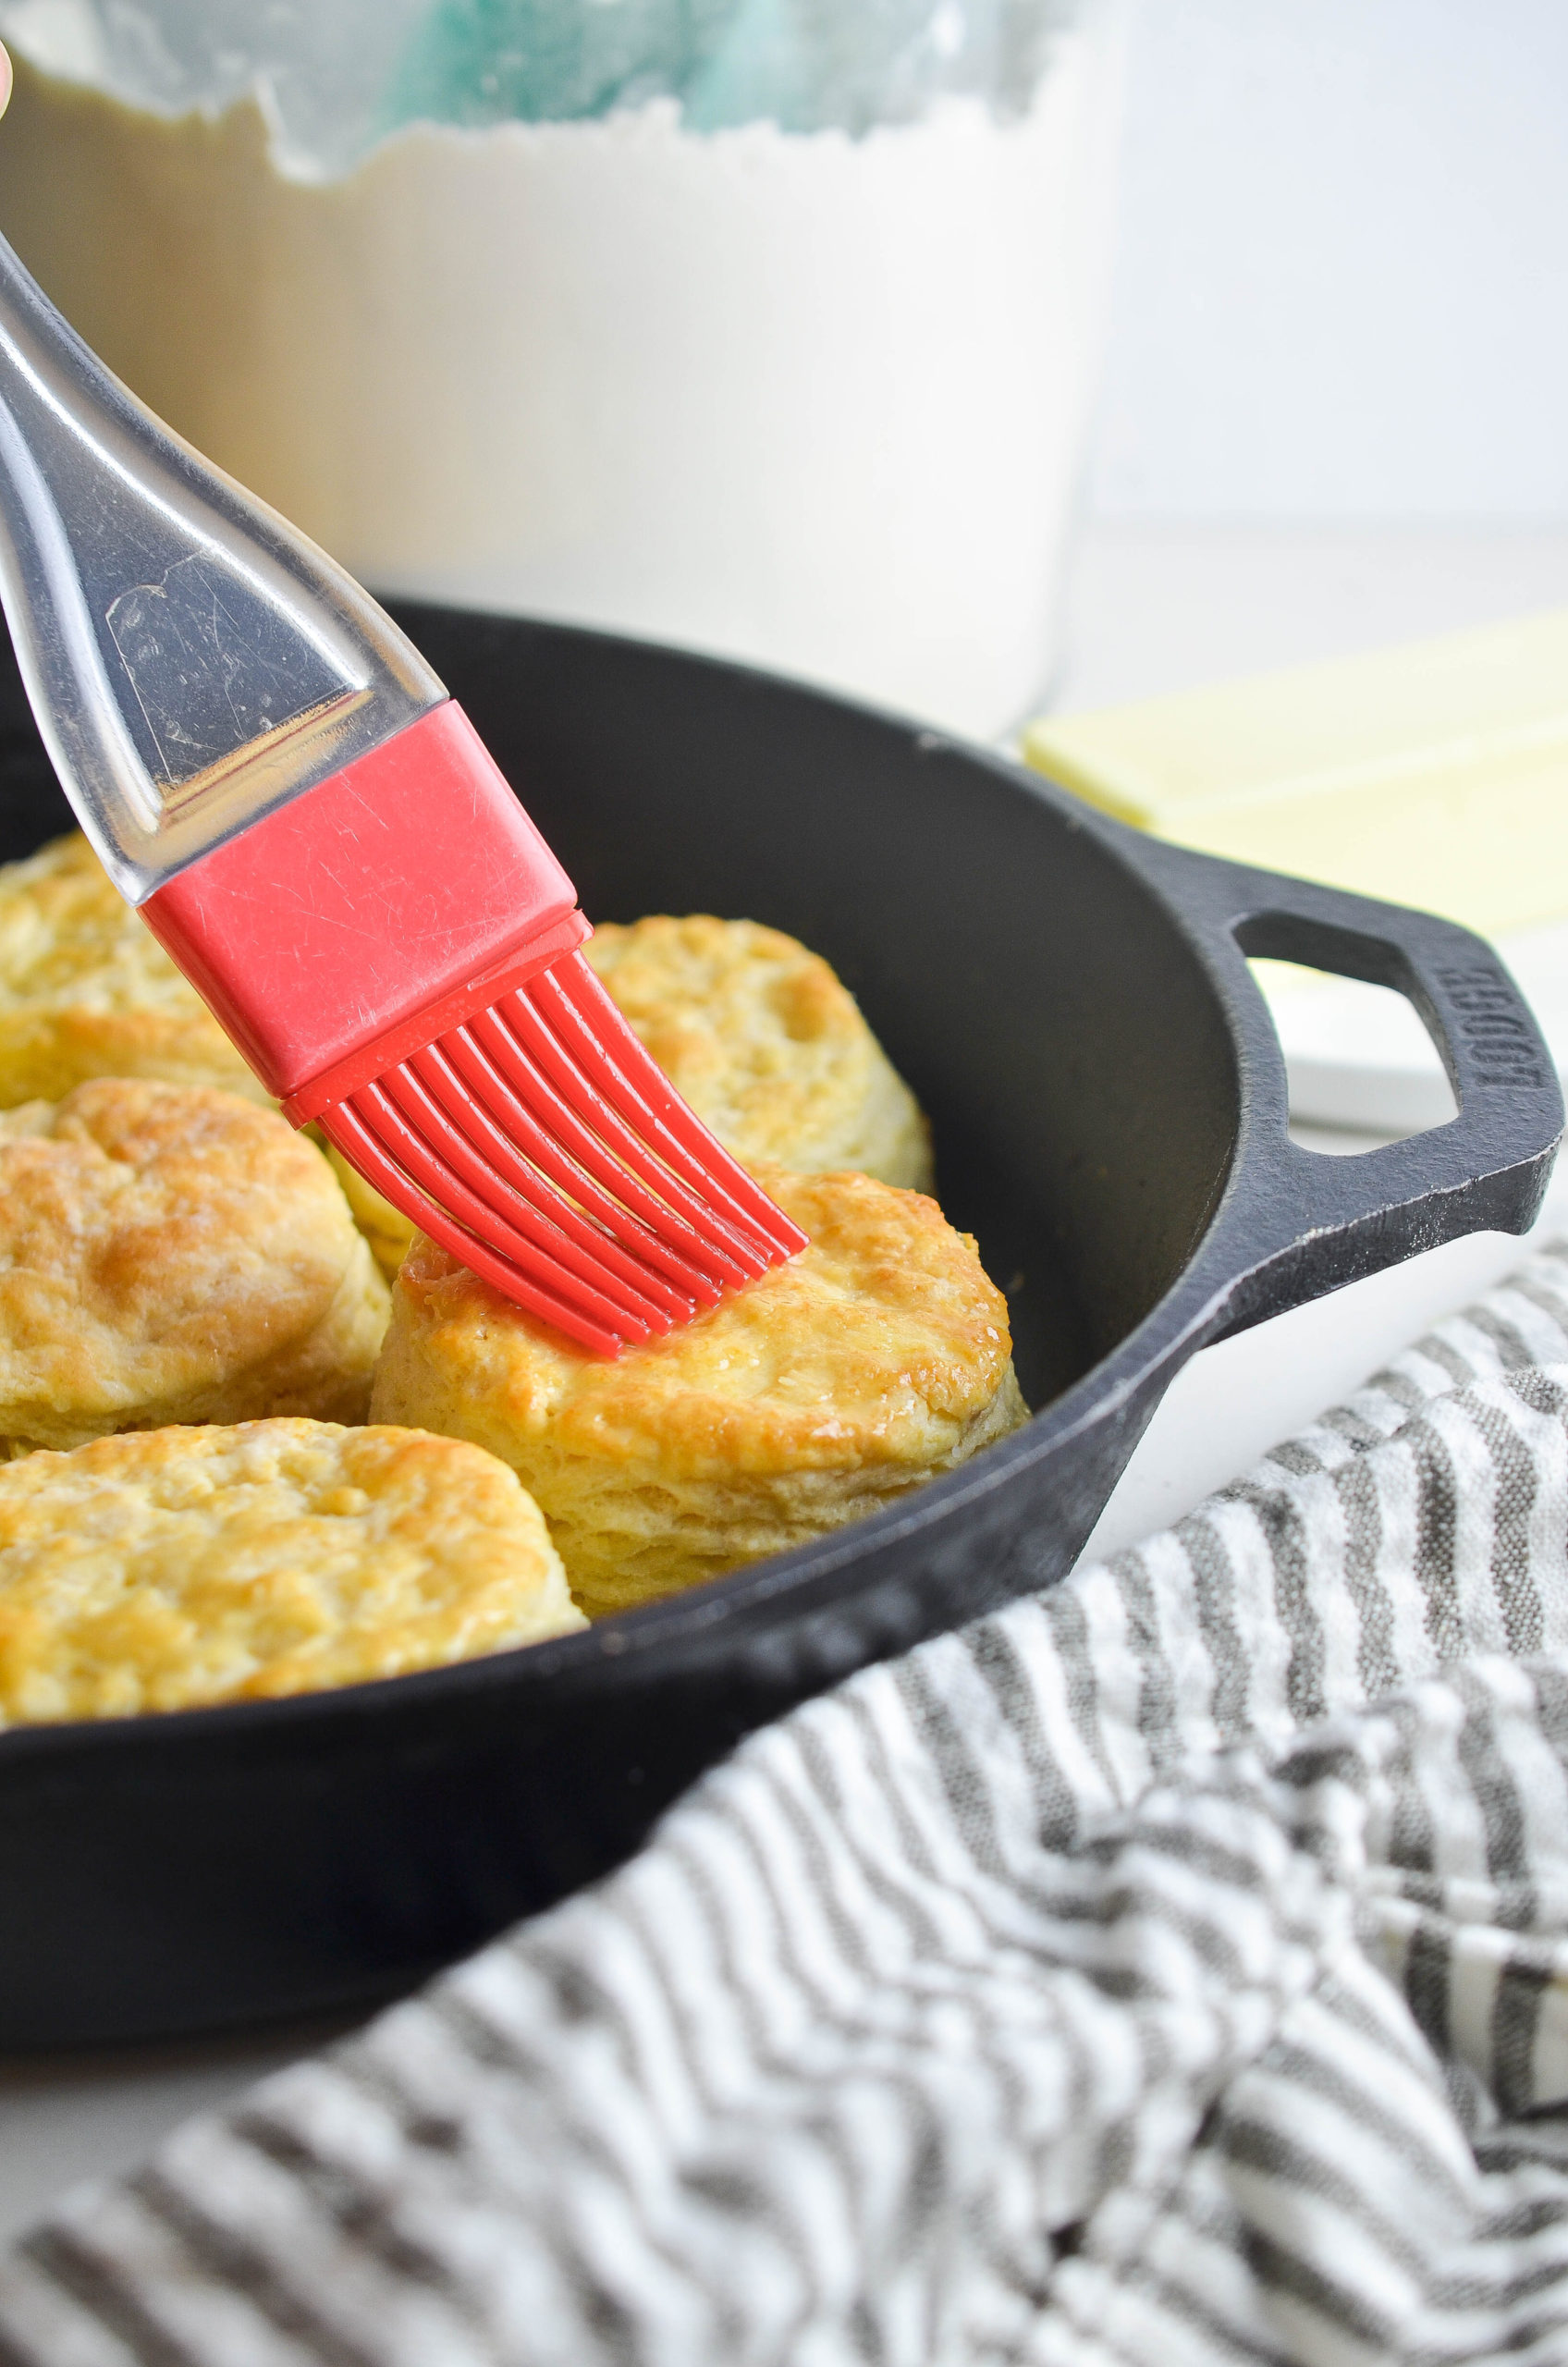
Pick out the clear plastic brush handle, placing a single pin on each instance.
(192, 662)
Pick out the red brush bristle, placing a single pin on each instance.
(542, 1146)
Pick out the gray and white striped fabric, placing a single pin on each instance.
(1171, 1969)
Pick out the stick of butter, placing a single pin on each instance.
(1435, 774)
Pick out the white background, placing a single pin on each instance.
(1342, 286)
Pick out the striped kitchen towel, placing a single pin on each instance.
(1170, 1970)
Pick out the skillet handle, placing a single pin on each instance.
(1293, 1223)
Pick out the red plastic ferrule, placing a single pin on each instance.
(383, 906)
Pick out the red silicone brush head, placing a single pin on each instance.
(541, 1144)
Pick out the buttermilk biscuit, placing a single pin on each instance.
(87, 990)
(876, 1358)
(766, 1044)
(180, 1566)
(173, 1254)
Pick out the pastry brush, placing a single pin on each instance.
(314, 829)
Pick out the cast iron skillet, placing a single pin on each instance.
(1073, 1005)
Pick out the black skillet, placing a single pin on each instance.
(1072, 1004)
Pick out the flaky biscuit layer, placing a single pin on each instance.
(878, 1358)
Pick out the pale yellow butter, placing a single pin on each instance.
(1435, 774)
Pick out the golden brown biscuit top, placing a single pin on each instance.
(757, 1032)
(171, 1568)
(73, 953)
(880, 1342)
(67, 936)
(152, 1234)
(67, 933)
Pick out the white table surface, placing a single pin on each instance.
(1155, 610)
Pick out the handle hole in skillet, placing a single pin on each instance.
(1363, 1066)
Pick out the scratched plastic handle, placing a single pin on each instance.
(192, 661)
